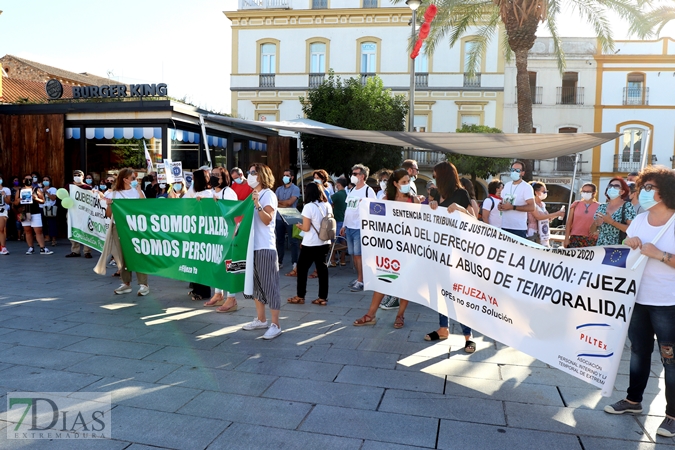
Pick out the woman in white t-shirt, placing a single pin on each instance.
(126, 187)
(490, 212)
(654, 311)
(49, 210)
(314, 249)
(265, 258)
(5, 201)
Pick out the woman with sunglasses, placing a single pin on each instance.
(654, 311)
(539, 219)
(581, 216)
(612, 219)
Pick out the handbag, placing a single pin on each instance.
(327, 228)
(622, 234)
(50, 211)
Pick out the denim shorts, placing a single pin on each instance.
(353, 241)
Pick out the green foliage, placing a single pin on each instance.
(128, 153)
(478, 166)
(349, 104)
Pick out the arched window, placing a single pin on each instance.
(631, 145)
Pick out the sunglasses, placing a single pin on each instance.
(252, 172)
(616, 186)
(356, 173)
(516, 170)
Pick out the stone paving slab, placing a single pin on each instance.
(179, 339)
(111, 366)
(186, 356)
(376, 445)
(508, 390)
(29, 323)
(651, 424)
(290, 368)
(325, 393)
(593, 443)
(133, 350)
(246, 409)
(372, 425)
(41, 357)
(219, 380)
(395, 379)
(32, 379)
(39, 339)
(106, 332)
(351, 357)
(461, 435)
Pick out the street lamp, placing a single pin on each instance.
(413, 5)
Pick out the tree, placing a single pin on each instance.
(349, 104)
(478, 166)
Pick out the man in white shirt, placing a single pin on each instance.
(351, 228)
(518, 200)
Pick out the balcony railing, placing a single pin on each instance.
(565, 163)
(424, 159)
(266, 80)
(635, 96)
(537, 94)
(365, 76)
(370, 3)
(629, 161)
(319, 4)
(569, 96)
(316, 79)
(421, 80)
(264, 4)
(472, 81)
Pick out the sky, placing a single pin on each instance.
(186, 44)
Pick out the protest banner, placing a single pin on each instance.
(87, 223)
(202, 241)
(177, 171)
(570, 308)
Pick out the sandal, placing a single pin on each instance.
(434, 336)
(332, 264)
(320, 302)
(196, 298)
(232, 308)
(470, 347)
(292, 273)
(314, 275)
(296, 300)
(214, 302)
(365, 320)
(398, 323)
(116, 274)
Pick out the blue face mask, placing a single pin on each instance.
(613, 193)
(239, 180)
(317, 181)
(286, 179)
(404, 188)
(647, 199)
(103, 187)
(515, 176)
(89, 180)
(134, 184)
(44, 183)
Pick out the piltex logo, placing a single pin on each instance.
(390, 267)
(594, 338)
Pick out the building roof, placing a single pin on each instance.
(21, 91)
(65, 75)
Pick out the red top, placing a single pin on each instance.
(242, 190)
(582, 219)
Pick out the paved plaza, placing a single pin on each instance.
(182, 376)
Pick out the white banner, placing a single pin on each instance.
(87, 223)
(570, 308)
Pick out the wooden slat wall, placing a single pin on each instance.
(25, 145)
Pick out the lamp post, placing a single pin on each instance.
(413, 5)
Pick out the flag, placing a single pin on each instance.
(148, 160)
(616, 256)
(378, 209)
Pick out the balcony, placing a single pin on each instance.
(472, 81)
(569, 95)
(421, 80)
(266, 80)
(635, 96)
(319, 4)
(629, 162)
(316, 79)
(425, 159)
(365, 76)
(565, 163)
(537, 94)
(264, 4)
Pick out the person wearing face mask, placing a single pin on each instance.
(382, 180)
(538, 227)
(654, 310)
(321, 177)
(49, 209)
(31, 219)
(287, 195)
(490, 208)
(410, 165)
(579, 221)
(398, 190)
(5, 195)
(351, 228)
(612, 218)
(126, 187)
(163, 190)
(634, 197)
(518, 201)
(14, 228)
(75, 247)
(239, 184)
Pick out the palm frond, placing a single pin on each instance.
(557, 42)
(595, 15)
(633, 13)
(659, 18)
(483, 37)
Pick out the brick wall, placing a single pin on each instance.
(18, 70)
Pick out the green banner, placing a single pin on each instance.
(203, 241)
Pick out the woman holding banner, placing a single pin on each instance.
(454, 197)
(578, 228)
(126, 187)
(398, 190)
(265, 260)
(653, 234)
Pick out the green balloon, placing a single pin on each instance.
(67, 203)
(62, 193)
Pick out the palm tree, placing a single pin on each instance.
(518, 20)
(660, 16)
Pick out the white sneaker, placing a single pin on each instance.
(30, 251)
(272, 332)
(123, 289)
(112, 263)
(255, 325)
(4, 251)
(46, 251)
(143, 290)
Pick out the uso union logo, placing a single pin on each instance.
(389, 268)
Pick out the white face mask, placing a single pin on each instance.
(543, 196)
(383, 185)
(253, 181)
(586, 195)
(354, 179)
(77, 180)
